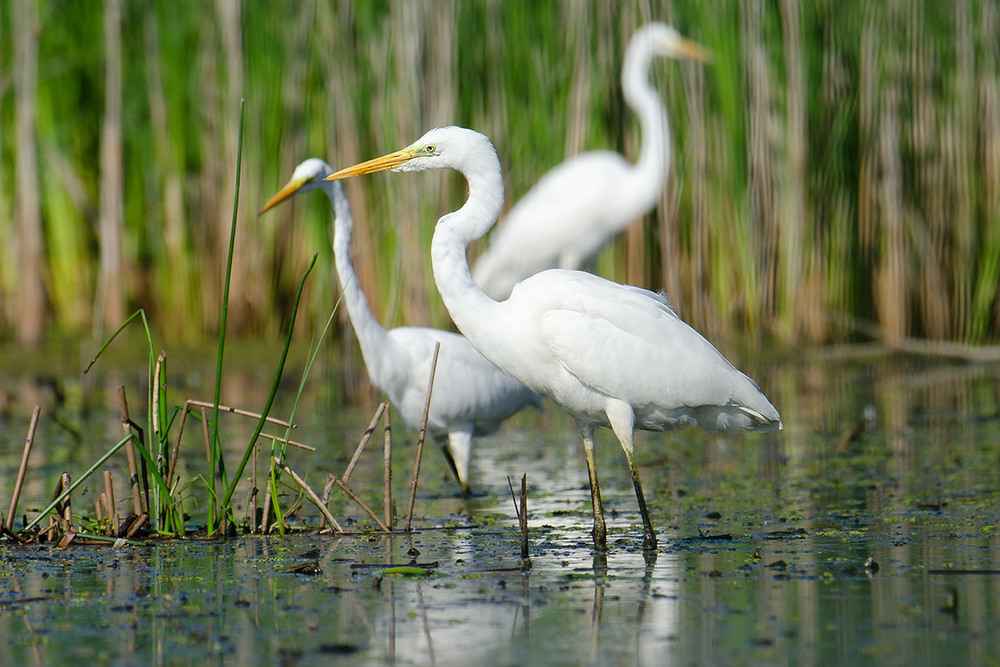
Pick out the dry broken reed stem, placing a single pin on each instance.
(309, 492)
(252, 500)
(67, 512)
(265, 519)
(236, 411)
(136, 525)
(292, 443)
(172, 463)
(133, 470)
(59, 518)
(24, 466)
(12, 535)
(364, 440)
(420, 438)
(381, 411)
(387, 470)
(145, 484)
(360, 503)
(109, 499)
(326, 497)
(48, 534)
(522, 517)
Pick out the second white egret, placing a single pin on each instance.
(575, 208)
(471, 396)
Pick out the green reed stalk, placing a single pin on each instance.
(227, 499)
(216, 458)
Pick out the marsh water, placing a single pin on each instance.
(866, 532)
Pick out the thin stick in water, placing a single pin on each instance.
(24, 466)
(326, 497)
(360, 503)
(253, 493)
(387, 470)
(265, 518)
(364, 441)
(420, 438)
(522, 517)
(49, 533)
(109, 498)
(172, 463)
(59, 497)
(133, 469)
(67, 513)
(312, 494)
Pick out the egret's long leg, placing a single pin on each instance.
(649, 541)
(600, 528)
(458, 451)
(623, 423)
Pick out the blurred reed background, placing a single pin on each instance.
(836, 173)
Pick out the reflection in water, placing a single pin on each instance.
(764, 542)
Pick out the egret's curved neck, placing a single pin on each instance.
(371, 335)
(469, 306)
(654, 156)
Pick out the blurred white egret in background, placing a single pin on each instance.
(578, 206)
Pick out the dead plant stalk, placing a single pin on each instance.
(420, 438)
(24, 466)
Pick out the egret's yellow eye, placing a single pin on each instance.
(430, 149)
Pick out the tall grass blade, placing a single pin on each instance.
(216, 459)
(231, 489)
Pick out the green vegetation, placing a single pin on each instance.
(836, 171)
(165, 511)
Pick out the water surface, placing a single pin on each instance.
(805, 547)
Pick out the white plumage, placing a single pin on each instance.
(578, 206)
(609, 354)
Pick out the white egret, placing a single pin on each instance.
(580, 204)
(471, 396)
(611, 355)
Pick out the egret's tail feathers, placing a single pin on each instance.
(760, 422)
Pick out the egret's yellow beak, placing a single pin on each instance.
(686, 48)
(284, 193)
(383, 163)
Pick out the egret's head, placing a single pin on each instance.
(307, 176)
(441, 148)
(663, 40)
